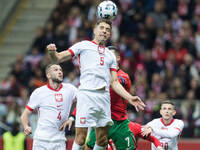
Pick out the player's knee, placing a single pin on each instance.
(103, 141)
(80, 139)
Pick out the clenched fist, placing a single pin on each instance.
(27, 130)
(51, 48)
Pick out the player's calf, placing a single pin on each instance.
(102, 136)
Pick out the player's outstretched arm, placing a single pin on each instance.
(58, 57)
(66, 123)
(69, 121)
(147, 130)
(155, 141)
(24, 121)
(119, 89)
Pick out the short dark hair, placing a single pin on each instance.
(114, 48)
(104, 20)
(167, 102)
(48, 66)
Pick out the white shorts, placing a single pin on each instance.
(47, 145)
(93, 109)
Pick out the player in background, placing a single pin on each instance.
(98, 72)
(166, 129)
(123, 131)
(53, 102)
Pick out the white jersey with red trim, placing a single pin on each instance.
(95, 64)
(167, 134)
(53, 109)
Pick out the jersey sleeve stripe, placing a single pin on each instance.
(71, 52)
(113, 69)
(29, 108)
(122, 79)
(178, 129)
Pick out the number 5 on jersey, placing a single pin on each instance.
(101, 60)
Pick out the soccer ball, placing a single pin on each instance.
(107, 10)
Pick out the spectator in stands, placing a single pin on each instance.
(158, 14)
(72, 78)
(156, 83)
(178, 50)
(39, 38)
(150, 65)
(14, 112)
(61, 37)
(14, 140)
(33, 59)
(10, 86)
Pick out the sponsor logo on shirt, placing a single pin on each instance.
(58, 97)
(82, 120)
(59, 107)
(164, 128)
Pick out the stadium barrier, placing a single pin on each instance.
(184, 144)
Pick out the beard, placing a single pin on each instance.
(57, 80)
(102, 42)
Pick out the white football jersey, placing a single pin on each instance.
(167, 134)
(53, 109)
(95, 64)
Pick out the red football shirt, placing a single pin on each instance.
(119, 104)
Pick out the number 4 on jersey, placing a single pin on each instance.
(59, 116)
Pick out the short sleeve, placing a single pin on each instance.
(33, 101)
(114, 63)
(74, 91)
(180, 125)
(152, 123)
(75, 49)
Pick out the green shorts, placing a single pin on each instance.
(119, 133)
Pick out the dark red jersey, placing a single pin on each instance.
(118, 104)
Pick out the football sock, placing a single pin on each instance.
(97, 147)
(76, 146)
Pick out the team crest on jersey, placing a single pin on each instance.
(82, 120)
(101, 49)
(58, 97)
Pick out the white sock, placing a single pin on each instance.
(97, 147)
(76, 146)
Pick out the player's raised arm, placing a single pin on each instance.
(58, 57)
(119, 89)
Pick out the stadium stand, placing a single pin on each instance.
(159, 42)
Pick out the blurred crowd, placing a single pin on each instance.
(159, 43)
